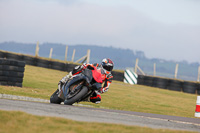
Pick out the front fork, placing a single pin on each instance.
(60, 93)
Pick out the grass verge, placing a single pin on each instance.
(19, 122)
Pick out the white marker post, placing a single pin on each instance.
(50, 54)
(73, 55)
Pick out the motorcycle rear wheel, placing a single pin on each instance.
(74, 99)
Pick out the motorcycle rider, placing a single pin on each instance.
(106, 67)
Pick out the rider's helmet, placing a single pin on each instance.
(107, 64)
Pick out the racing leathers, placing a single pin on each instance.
(96, 97)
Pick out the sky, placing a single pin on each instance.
(165, 29)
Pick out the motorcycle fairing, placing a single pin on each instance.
(96, 73)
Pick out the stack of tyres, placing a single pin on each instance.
(140, 79)
(148, 80)
(198, 88)
(11, 72)
(119, 76)
(190, 87)
(2, 54)
(43, 63)
(69, 67)
(160, 82)
(30, 60)
(174, 85)
(58, 65)
(13, 56)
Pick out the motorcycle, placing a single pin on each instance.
(80, 87)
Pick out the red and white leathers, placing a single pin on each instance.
(106, 75)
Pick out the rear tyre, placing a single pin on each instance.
(54, 98)
(74, 99)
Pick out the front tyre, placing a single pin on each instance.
(54, 98)
(74, 99)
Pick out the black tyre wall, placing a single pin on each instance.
(13, 56)
(189, 87)
(160, 83)
(148, 81)
(43, 63)
(198, 88)
(69, 67)
(118, 75)
(2, 54)
(11, 72)
(30, 60)
(175, 85)
(58, 66)
(11, 68)
(140, 79)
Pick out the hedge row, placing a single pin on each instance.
(11, 72)
(170, 84)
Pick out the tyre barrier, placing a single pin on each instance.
(58, 66)
(198, 88)
(2, 54)
(13, 56)
(140, 79)
(148, 80)
(189, 87)
(160, 82)
(174, 85)
(69, 67)
(11, 72)
(43, 63)
(30, 60)
(119, 76)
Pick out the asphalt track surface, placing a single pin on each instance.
(88, 114)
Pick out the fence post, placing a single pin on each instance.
(136, 65)
(154, 69)
(73, 55)
(37, 49)
(176, 71)
(198, 74)
(50, 54)
(66, 50)
(88, 56)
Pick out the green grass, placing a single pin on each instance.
(41, 83)
(19, 122)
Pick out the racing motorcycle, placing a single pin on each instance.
(80, 87)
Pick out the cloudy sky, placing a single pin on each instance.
(166, 29)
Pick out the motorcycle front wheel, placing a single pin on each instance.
(54, 98)
(78, 96)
